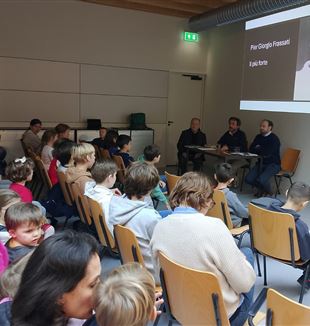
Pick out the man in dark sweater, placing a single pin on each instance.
(191, 136)
(267, 145)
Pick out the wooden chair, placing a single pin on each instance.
(289, 163)
(284, 311)
(43, 173)
(81, 204)
(171, 181)
(105, 154)
(273, 235)
(97, 151)
(221, 210)
(104, 235)
(121, 168)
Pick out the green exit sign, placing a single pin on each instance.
(191, 37)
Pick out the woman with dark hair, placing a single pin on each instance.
(58, 281)
(110, 141)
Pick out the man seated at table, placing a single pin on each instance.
(267, 145)
(234, 140)
(191, 136)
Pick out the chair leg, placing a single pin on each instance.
(265, 270)
(302, 291)
(242, 179)
(277, 185)
(258, 265)
(291, 182)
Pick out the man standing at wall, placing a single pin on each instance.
(30, 136)
(192, 136)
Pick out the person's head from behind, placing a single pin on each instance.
(102, 132)
(49, 137)
(7, 198)
(104, 172)
(234, 124)
(63, 131)
(35, 126)
(58, 281)
(111, 138)
(266, 126)
(23, 222)
(140, 179)
(224, 173)
(20, 170)
(193, 190)
(298, 195)
(126, 297)
(195, 125)
(62, 151)
(152, 154)
(10, 279)
(83, 154)
(124, 143)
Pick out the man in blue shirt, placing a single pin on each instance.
(267, 145)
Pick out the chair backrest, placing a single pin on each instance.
(25, 148)
(81, 204)
(105, 153)
(284, 311)
(97, 151)
(65, 188)
(191, 294)
(127, 245)
(290, 160)
(104, 235)
(220, 208)
(171, 180)
(121, 168)
(43, 173)
(270, 233)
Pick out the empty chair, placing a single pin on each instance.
(121, 168)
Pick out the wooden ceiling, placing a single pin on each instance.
(178, 8)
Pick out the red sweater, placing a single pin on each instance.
(24, 193)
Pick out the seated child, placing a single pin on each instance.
(63, 131)
(48, 140)
(224, 175)
(132, 211)
(9, 283)
(151, 155)
(104, 174)
(82, 159)
(126, 297)
(124, 144)
(7, 198)
(23, 222)
(298, 196)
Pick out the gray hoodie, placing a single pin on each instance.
(138, 216)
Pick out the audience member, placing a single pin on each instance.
(2, 161)
(126, 297)
(208, 244)
(110, 141)
(9, 283)
(151, 155)
(30, 136)
(48, 140)
(104, 175)
(7, 198)
(23, 221)
(124, 144)
(132, 211)
(58, 282)
(224, 175)
(63, 131)
(100, 141)
(83, 158)
(192, 136)
(267, 145)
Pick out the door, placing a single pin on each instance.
(185, 101)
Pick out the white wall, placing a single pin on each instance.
(69, 60)
(224, 75)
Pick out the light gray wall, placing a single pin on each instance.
(223, 89)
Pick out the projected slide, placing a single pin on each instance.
(276, 71)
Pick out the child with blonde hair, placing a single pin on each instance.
(82, 159)
(126, 297)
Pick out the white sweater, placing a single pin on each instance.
(204, 243)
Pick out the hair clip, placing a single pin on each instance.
(20, 160)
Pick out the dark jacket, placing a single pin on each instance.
(189, 138)
(91, 322)
(5, 313)
(238, 139)
(268, 147)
